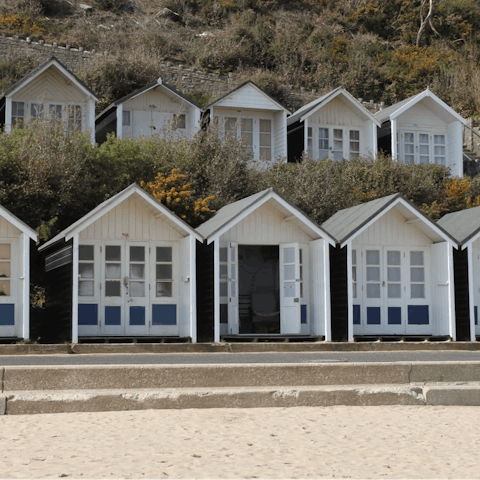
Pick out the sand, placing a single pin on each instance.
(303, 442)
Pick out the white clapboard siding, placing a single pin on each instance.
(419, 116)
(280, 135)
(158, 98)
(51, 85)
(336, 112)
(135, 218)
(392, 229)
(455, 148)
(247, 97)
(184, 298)
(317, 287)
(439, 279)
(7, 230)
(265, 226)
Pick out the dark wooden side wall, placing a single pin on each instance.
(462, 308)
(295, 139)
(57, 325)
(339, 293)
(205, 302)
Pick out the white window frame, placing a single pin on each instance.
(347, 152)
(432, 135)
(15, 116)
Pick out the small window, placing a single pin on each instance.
(354, 144)
(266, 140)
(231, 126)
(247, 133)
(74, 118)
(36, 110)
(5, 269)
(323, 143)
(126, 121)
(55, 112)
(179, 121)
(164, 272)
(86, 271)
(310, 142)
(439, 149)
(354, 273)
(18, 114)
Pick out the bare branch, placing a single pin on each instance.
(424, 21)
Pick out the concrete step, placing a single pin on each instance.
(50, 389)
(35, 402)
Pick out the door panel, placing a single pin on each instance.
(112, 289)
(290, 281)
(10, 289)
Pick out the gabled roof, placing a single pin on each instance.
(52, 61)
(146, 88)
(346, 224)
(463, 225)
(16, 222)
(302, 113)
(397, 109)
(173, 220)
(230, 215)
(243, 85)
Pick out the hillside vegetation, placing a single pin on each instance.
(371, 47)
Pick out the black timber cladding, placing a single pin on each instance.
(295, 141)
(462, 305)
(339, 293)
(58, 295)
(205, 292)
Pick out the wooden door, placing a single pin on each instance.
(290, 280)
(10, 292)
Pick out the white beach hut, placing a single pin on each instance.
(465, 227)
(423, 129)
(126, 269)
(271, 269)
(15, 239)
(399, 270)
(335, 126)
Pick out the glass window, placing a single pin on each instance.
(179, 121)
(354, 273)
(323, 143)
(164, 272)
(74, 118)
(55, 112)
(231, 126)
(373, 257)
(112, 253)
(310, 142)
(266, 140)
(337, 144)
(408, 148)
(354, 144)
(126, 121)
(5, 266)
(18, 114)
(86, 270)
(439, 149)
(36, 110)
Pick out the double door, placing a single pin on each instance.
(390, 290)
(10, 292)
(423, 147)
(476, 288)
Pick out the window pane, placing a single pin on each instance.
(409, 148)
(323, 133)
(179, 121)
(424, 150)
(85, 270)
(409, 137)
(85, 289)
(113, 270)
(393, 258)
(5, 269)
(137, 254)
(393, 274)
(265, 140)
(289, 290)
(265, 153)
(164, 254)
(224, 289)
(373, 290)
(338, 133)
(265, 126)
(354, 274)
(164, 272)
(85, 252)
(4, 251)
(112, 252)
(4, 288)
(394, 291)
(423, 138)
(354, 257)
(373, 257)
(354, 134)
(36, 110)
(223, 272)
(247, 125)
(289, 255)
(223, 254)
(164, 289)
(418, 291)
(416, 258)
(112, 288)
(126, 118)
(137, 271)
(231, 126)
(354, 290)
(417, 274)
(137, 289)
(373, 274)
(289, 272)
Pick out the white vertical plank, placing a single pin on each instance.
(451, 293)
(326, 293)
(193, 289)
(393, 129)
(350, 291)
(75, 291)
(120, 121)
(8, 114)
(216, 289)
(25, 245)
(471, 294)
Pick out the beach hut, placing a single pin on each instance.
(250, 114)
(126, 269)
(399, 272)
(335, 126)
(15, 237)
(53, 92)
(156, 109)
(270, 270)
(422, 129)
(465, 226)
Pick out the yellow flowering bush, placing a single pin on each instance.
(176, 193)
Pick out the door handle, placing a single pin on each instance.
(125, 281)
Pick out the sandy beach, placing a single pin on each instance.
(304, 442)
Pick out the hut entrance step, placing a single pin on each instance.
(403, 338)
(107, 339)
(272, 338)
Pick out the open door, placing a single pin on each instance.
(290, 280)
(228, 264)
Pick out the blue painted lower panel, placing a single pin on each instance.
(113, 315)
(88, 314)
(164, 314)
(373, 315)
(476, 315)
(137, 316)
(394, 315)
(303, 314)
(7, 314)
(418, 315)
(356, 314)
